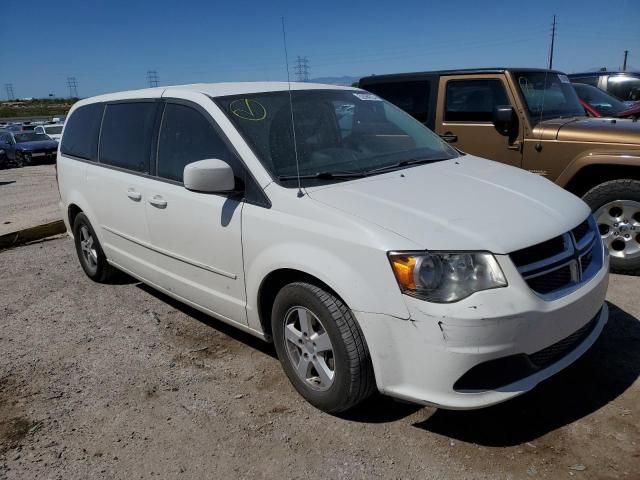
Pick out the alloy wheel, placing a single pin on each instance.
(309, 348)
(619, 225)
(87, 245)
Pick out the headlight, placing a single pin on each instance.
(444, 277)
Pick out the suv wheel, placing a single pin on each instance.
(616, 207)
(321, 347)
(92, 258)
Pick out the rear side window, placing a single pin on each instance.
(588, 80)
(626, 89)
(187, 136)
(81, 132)
(410, 96)
(473, 100)
(127, 130)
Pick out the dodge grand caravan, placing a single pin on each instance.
(372, 253)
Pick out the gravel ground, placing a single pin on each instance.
(117, 381)
(28, 197)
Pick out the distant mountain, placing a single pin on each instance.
(345, 80)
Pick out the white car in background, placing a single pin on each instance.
(53, 131)
(373, 254)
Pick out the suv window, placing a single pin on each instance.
(410, 96)
(186, 136)
(125, 140)
(625, 88)
(473, 100)
(81, 133)
(588, 80)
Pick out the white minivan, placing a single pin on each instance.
(322, 218)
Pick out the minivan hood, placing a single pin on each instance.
(465, 203)
(589, 130)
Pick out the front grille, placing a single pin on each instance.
(551, 281)
(558, 266)
(538, 252)
(586, 261)
(581, 231)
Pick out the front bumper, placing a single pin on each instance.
(422, 358)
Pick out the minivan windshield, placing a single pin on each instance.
(548, 95)
(339, 134)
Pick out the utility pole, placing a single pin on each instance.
(302, 69)
(152, 78)
(553, 38)
(72, 84)
(624, 64)
(9, 88)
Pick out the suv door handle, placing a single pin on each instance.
(158, 201)
(449, 137)
(133, 195)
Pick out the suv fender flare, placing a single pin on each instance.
(628, 158)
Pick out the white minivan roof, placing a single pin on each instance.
(214, 90)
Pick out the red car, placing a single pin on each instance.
(598, 103)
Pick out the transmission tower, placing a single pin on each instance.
(72, 84)
(302, 69)
(9, 88)
(152, 78)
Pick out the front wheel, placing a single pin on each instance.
(92, 258)
(321, 347)
(616, 207)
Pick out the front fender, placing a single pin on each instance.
(600, 157)
(373, 289)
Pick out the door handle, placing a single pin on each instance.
(133, 195)
(158, 201)
(449, 137)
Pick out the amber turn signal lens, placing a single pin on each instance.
(403, 267)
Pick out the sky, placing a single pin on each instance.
(109, 46)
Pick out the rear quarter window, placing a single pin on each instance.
(410, 96)
(81, 132)
(127, 130)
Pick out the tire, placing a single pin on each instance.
(20, 162)
(328, 318)
(616, 206)
(90, 253)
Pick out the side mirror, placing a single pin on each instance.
(504, 119)
(209, 176)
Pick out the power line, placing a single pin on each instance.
(553, 38)
(9, 88)
(152, 78)
(72, 84)
(302, 69)
(624, 65)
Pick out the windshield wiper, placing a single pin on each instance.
(323, 175)
(402, 163)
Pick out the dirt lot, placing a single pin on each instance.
(28, 197)
(117, 381)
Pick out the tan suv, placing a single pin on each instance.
(533, 119)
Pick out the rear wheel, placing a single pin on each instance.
(616, 207)
(321, 347)
(92, 258)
